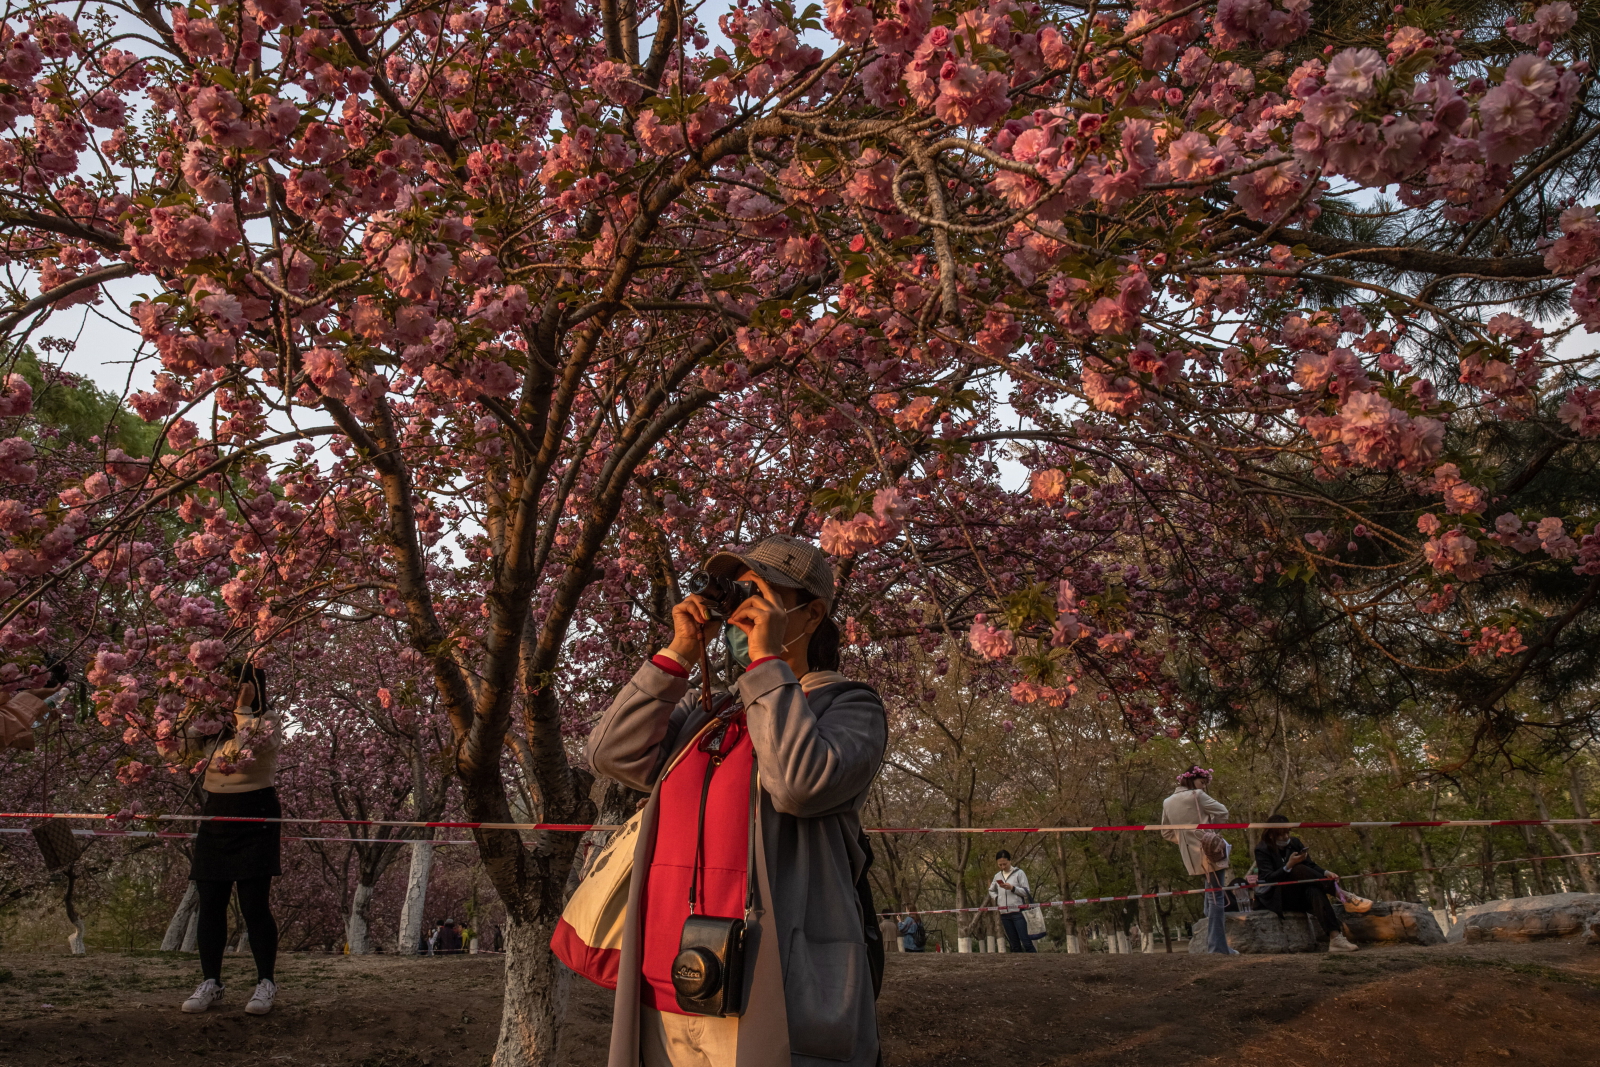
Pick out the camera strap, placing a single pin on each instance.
(750, 893)
(700, 825)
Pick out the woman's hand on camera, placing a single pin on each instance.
(764, 621)
(690, 620)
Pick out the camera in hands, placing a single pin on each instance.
(722, 596)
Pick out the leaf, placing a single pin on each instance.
(1031, 604)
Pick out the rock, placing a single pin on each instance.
(1554, 915)
(1261, 931)
(1393, 922)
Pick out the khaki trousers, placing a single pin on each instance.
(667, 1039)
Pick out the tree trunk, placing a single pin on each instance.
(968, 924)
(75, 939)
(1429, 882)
(191, 933)
(1541, 881)
(1166, 914)
(416, 903)
(1580, 808)
(179, 925)
(357, 927)
(1146, 922)
(537, 986)
(1487, 877)
(1069, 917)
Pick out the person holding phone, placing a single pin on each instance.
(23, 711)
(772, 777)
(1010, 892)
(241, 762)
(1282, 857)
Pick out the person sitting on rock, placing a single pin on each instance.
(1282, 857)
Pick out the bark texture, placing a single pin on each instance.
(174, 939)
(416, 902)
(358, 926)
(537, 986)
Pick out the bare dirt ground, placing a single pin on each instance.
(1408, 1007)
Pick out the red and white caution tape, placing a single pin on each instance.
(1258, 885)
(179, 836)
(551, 826)
(1108, 900)
(1383, 825)
(585, 827)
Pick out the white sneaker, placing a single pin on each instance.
(1341, 943)
(208, 993)
(261, 999)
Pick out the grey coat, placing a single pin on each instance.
(808, 996)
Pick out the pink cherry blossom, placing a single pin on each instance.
(988, 641)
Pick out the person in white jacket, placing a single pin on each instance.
(1009, 891)
(1190, 803)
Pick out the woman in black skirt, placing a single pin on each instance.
(243, 854)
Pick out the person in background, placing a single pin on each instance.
(1282, 857)
(23, 711)
(449, 938)
(1240, 892)
(1009, 891)
(1190, 803)
(886, 928)
(237, 854)
(913, 935)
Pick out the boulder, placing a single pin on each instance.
(1262, 931)
(1392, 922)
(1554, 915)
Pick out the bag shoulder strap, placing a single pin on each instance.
(667, 757)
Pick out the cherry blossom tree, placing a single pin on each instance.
(486, 320)
(367, 745)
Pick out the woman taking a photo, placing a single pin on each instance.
(787, 758)
(241, 766)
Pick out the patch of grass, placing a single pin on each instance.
(1531, 970)
(1347, 967)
